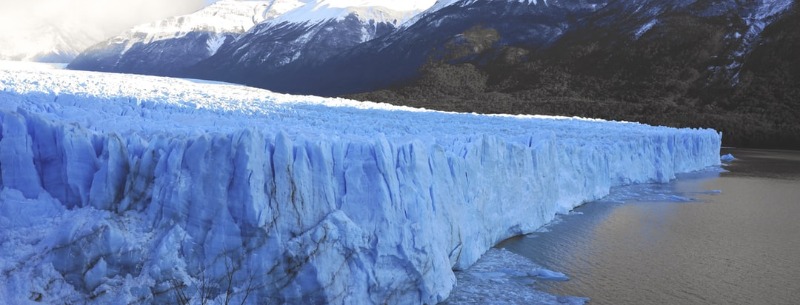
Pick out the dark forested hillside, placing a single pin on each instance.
(686, 70)
(391, 58)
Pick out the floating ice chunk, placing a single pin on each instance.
(503, 277)
(728, 158)
(678, 198)
(549, 275)
(570, 300)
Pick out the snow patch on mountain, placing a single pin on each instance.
(124, 188)
(761, 15)
(214, 43)
(223, 17)
(367, 10)
(440, 4)
(644, 28)
(757, 15)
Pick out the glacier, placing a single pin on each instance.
(137, 189)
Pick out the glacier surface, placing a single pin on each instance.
(136, 189)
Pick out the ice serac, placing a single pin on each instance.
(133, 188)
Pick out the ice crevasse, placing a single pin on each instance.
(146, 189)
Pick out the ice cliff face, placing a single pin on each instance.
(121, 189)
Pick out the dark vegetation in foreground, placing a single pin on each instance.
(672, 75)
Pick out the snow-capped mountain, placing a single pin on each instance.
(309, 34)
(480, 32)
(464, 27)
(257, 34)
(333, 47)
(168, 46)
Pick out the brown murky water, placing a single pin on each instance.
(713, 237)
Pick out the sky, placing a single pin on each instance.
(114, 16)
(23, 23)
(108, 16)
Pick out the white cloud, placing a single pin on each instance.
(109, 16)
(22, 22)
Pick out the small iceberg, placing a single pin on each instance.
(727, 158)
(570, 300)
(549, 275)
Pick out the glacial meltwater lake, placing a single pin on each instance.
(729, 236)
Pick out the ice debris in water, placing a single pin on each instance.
(503, 277)
(727, 158)
(549, 275)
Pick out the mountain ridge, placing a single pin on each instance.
(288, 39)
(678, 63)
(169, 46)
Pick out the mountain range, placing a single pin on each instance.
(724, 64)
(169, 46)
